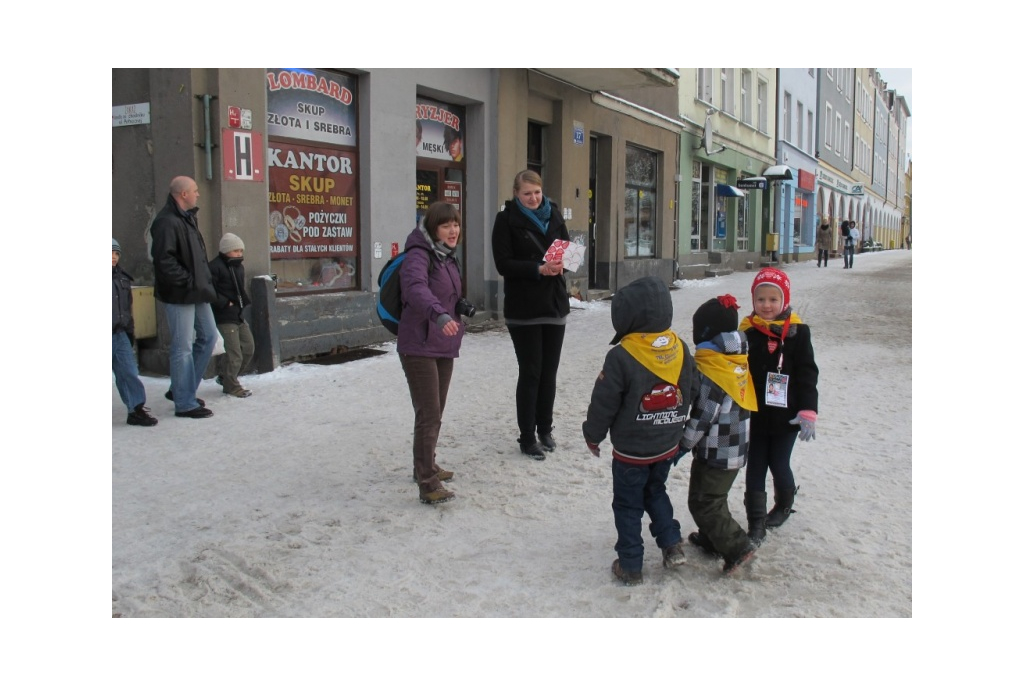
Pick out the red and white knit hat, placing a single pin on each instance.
(772, 276)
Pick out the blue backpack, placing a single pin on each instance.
(389, 299)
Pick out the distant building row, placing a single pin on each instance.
(666, 172)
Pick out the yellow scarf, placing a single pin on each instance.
(661, 353)
(730, 372)
(758, 321)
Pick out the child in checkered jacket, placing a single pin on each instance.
(718, 430)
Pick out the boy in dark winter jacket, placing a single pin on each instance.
(718, 430)
(229, 283)
(126, 370)
(641, 397)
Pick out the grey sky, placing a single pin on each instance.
(900, 81)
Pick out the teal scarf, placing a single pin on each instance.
(540, 216)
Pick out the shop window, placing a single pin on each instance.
(698, 232)
(742, 216)
(641, 210)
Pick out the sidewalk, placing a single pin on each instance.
(299, 500)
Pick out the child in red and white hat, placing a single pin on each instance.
(785, 379)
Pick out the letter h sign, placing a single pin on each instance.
(243, 155)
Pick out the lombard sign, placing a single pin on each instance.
(827, 179)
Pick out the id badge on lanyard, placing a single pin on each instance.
(776, 390)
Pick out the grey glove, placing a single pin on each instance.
(806, 419)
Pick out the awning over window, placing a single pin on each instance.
(779, 172)
(723, 190)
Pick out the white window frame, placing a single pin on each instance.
(828, 126)
(810, 131)
(745, 104)
(762, 105)
(727, 91)
(705, 89)
(800, 125)
(787, 120)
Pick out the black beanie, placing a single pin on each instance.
(717, 315)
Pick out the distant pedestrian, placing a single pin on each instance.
(850, 237)
(907, 241)
(126, 369)
(823, 242)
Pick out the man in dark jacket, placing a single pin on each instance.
(185, 286)
(126, 369)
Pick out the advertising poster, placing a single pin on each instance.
(312, 201)
(311, 105)
(439, 130)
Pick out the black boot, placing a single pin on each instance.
(757, 509)
(782, 509)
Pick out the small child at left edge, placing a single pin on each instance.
(642, 397)
(126, 369)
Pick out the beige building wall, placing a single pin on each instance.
(608, 126)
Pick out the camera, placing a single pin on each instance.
(465, 308)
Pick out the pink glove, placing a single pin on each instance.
(806, 418)
(594, 449)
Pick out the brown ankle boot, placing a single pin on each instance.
(435, 494)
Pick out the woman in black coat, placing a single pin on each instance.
(536, 304)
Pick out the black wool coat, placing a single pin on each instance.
(518, 247)
(229, 283)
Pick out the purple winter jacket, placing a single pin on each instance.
(427, 294)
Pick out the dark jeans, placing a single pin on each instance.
(770, 452)
(126, 372)
(708, 501)
(428, 378)
(848, 256)
(636, 489)
(538, 349)
(822, 254)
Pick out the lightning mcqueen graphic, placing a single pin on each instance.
(661, 397)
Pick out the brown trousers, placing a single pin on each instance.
(428, 378)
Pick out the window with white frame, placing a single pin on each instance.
(762, 106)
(828, 72)
(810, 131)
(846, 141)
(787, 126)
(828, 126)
(837, 143)
(704, 85)
(745, 96)
(799, 124)
(727, 100)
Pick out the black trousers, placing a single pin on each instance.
(538, 350)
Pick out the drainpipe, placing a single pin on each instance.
(207, 143)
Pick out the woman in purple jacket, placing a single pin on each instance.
(430, 335)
